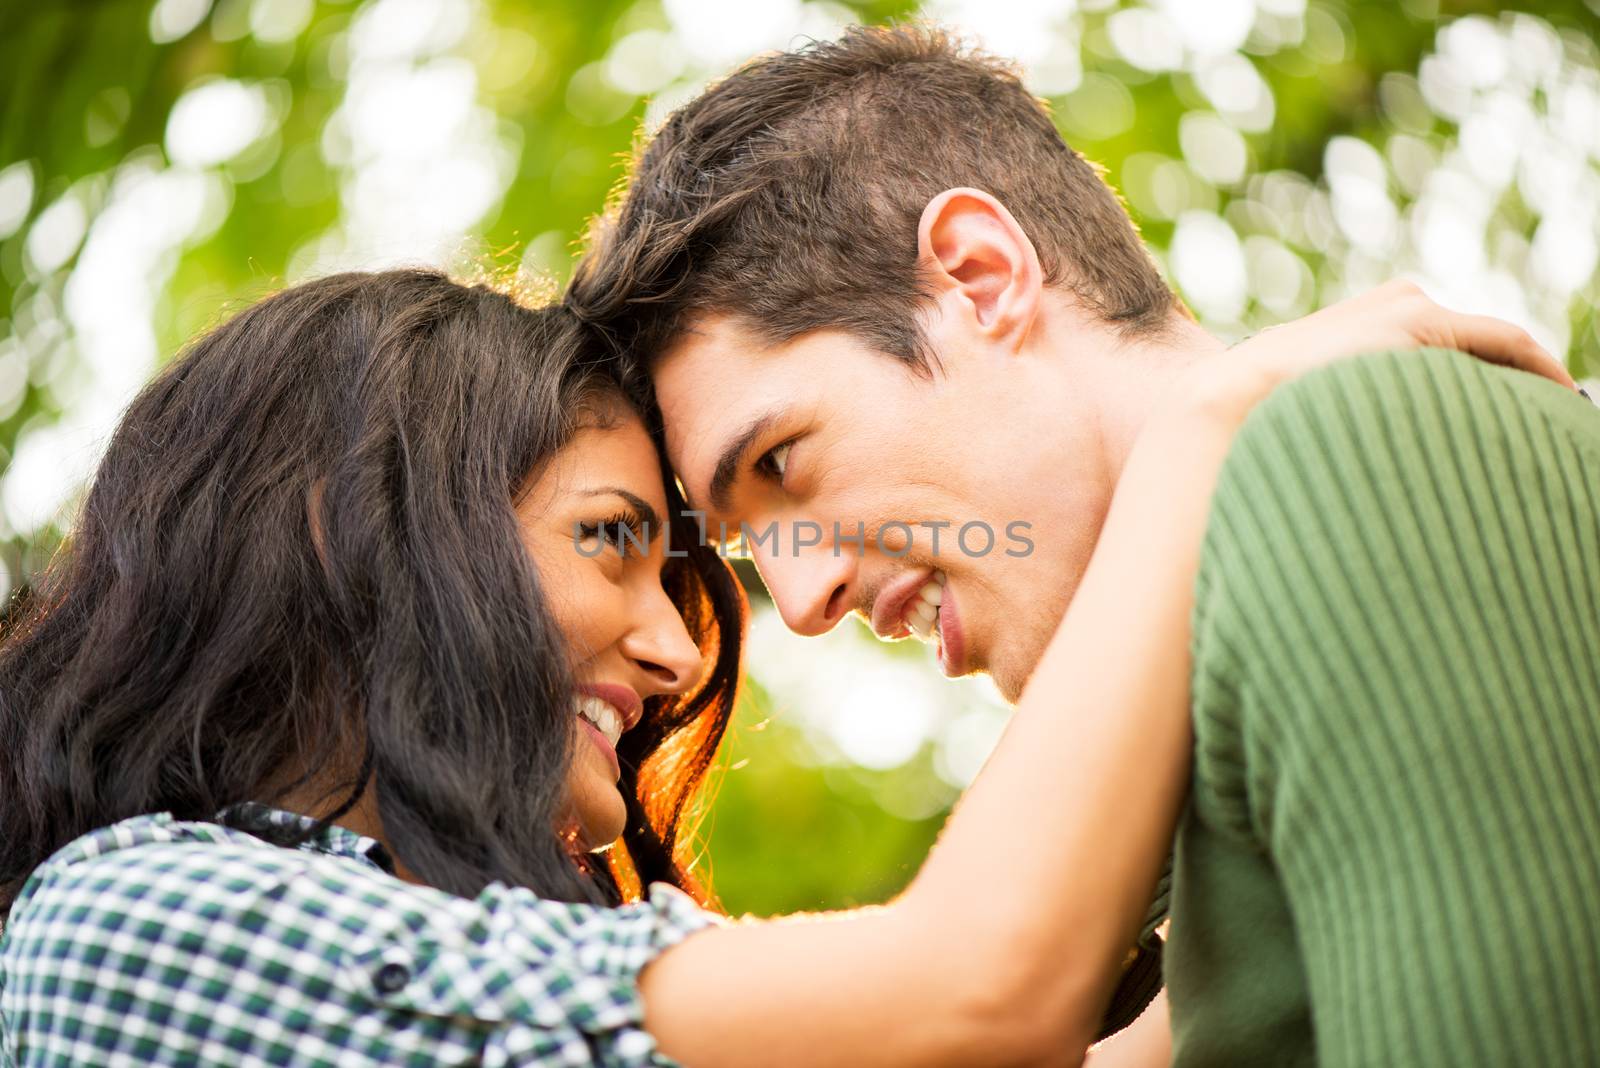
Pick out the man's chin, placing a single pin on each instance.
(1005, 677)
(1010, 675)
(1009, 683)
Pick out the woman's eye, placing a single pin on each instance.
(777, 460)
(592, 536)
(618, 534)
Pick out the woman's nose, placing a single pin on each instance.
(662, 648)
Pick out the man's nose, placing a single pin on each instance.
(813, 590)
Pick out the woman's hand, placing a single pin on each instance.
(1396, 315)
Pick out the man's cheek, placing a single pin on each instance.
(894, 537)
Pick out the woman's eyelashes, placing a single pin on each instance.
(623, 532)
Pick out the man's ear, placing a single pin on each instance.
(978, 259)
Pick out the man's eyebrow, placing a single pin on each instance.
(732, 457)
(647, 513)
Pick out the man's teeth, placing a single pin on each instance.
(922, 611)
(605, 718)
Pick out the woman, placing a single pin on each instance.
(368, 636)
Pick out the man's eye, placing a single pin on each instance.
(776, 461)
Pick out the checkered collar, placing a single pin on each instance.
(332, 839)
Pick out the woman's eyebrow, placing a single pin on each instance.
(647, 513)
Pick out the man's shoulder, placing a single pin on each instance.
(1379, 527)
(1380, 456)
(1359, 439)
(1391, 398)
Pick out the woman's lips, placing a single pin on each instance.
(604, 746)
(626, 708)
(620, 697)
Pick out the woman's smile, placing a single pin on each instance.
(607, 711)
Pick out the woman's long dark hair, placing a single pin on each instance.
(301, 545)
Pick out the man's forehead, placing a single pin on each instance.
(710, 337)
(716, 357)
(713, 376)
(714, 384)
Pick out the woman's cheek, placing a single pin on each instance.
(598, 621)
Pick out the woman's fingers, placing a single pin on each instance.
(1432, 324)
(1399, 314)
(1396, 315)
(1501, 342)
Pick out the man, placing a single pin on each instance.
(884, 310)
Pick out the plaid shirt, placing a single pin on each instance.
(160, 942)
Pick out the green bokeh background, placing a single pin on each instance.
(799, 822)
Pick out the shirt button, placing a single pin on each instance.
(391, 978)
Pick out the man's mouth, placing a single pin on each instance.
(921, 613)
(923, 606)
(899, 600)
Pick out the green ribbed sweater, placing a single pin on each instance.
(1391, 854)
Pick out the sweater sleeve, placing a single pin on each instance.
(1397, 701)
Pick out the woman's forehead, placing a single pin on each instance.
(616, 453)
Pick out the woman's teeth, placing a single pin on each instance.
(922, 611)
(605, 718)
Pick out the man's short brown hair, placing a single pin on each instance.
(789, 196)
